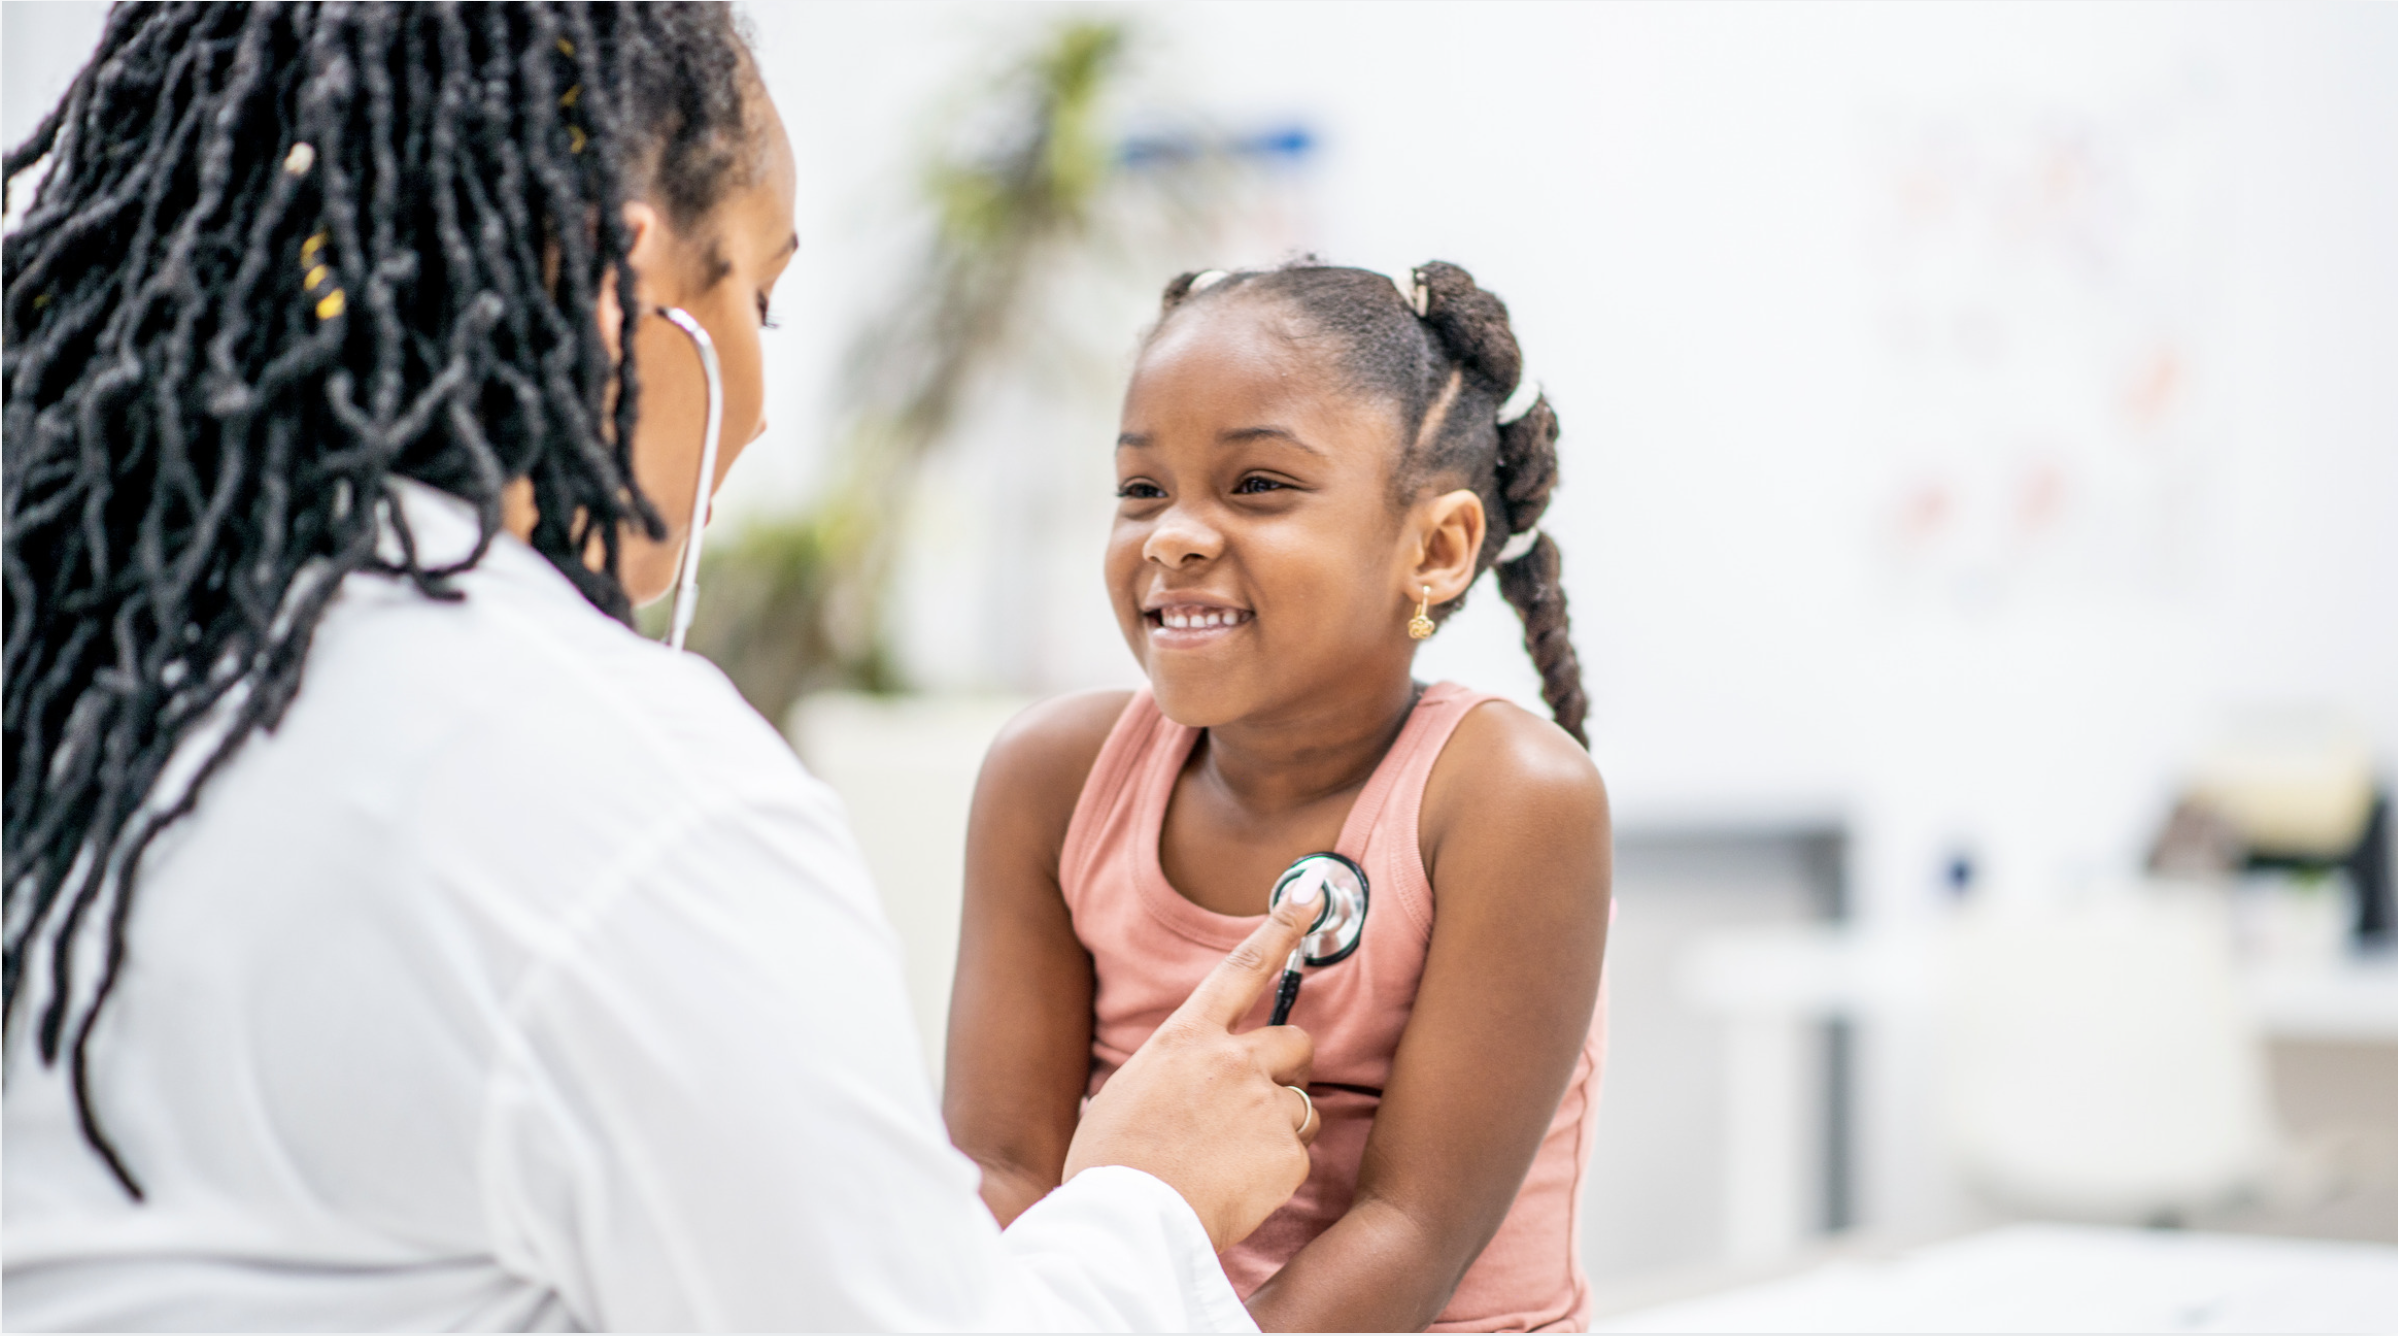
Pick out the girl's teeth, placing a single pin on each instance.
(1197, 621)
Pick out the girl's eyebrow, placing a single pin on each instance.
(1240, 435)
(1137, 440)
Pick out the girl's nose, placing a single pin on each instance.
(1180, 539)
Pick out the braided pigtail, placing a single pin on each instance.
(1531, 582)
(1471, 325)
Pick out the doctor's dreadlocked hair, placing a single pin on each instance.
(1450, 368)
(284, 256)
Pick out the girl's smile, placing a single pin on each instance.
(1191, 621)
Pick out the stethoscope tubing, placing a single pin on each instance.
(686, 589)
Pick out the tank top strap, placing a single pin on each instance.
(1123, 783)
(1382, 828)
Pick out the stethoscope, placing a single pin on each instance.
(686, 587)
(1339, 924)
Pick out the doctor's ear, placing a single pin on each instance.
(1448, 531)
(649, 238)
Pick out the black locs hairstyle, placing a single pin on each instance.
(1450, 370)
(285, 255)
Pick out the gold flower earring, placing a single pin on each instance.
(1419, 627)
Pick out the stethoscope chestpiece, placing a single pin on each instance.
(1341, 921)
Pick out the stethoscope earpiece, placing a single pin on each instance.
(686, 585)
(1339, 924)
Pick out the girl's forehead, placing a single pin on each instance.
(1223, 374)
(1238, 352)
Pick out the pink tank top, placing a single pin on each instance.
(1151, 947)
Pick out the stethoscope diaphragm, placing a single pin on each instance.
(1341, 919)
(1339, 924)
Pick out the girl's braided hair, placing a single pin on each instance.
(284, 256)
(1449, 370)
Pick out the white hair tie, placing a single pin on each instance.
(1519, 547)
(1204, 281)
(1413, 292)
(1527, 393)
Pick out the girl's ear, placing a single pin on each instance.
(1448, 540)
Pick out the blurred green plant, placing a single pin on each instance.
(793, 605)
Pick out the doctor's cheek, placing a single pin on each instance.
(755, 406)
(744, 363)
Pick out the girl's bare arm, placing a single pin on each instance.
(1019, 1052)
(1517, 843)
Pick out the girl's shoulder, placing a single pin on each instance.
(1061, 732)
(1502, 752)
(1506, 769)
(1037, 765)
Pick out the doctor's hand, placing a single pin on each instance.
(1207, 1111)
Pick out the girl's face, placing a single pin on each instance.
(1257, 561)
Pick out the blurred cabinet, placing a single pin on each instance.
(1720, 1138)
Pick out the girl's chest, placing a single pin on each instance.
(1225, 860)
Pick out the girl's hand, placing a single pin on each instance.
(1206, 1110)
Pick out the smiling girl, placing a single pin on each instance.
(1314, 468)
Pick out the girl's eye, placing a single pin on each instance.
(1253, 484)
(1139, 489)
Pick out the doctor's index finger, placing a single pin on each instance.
(1239, 979)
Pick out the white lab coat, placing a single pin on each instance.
(524, 979)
